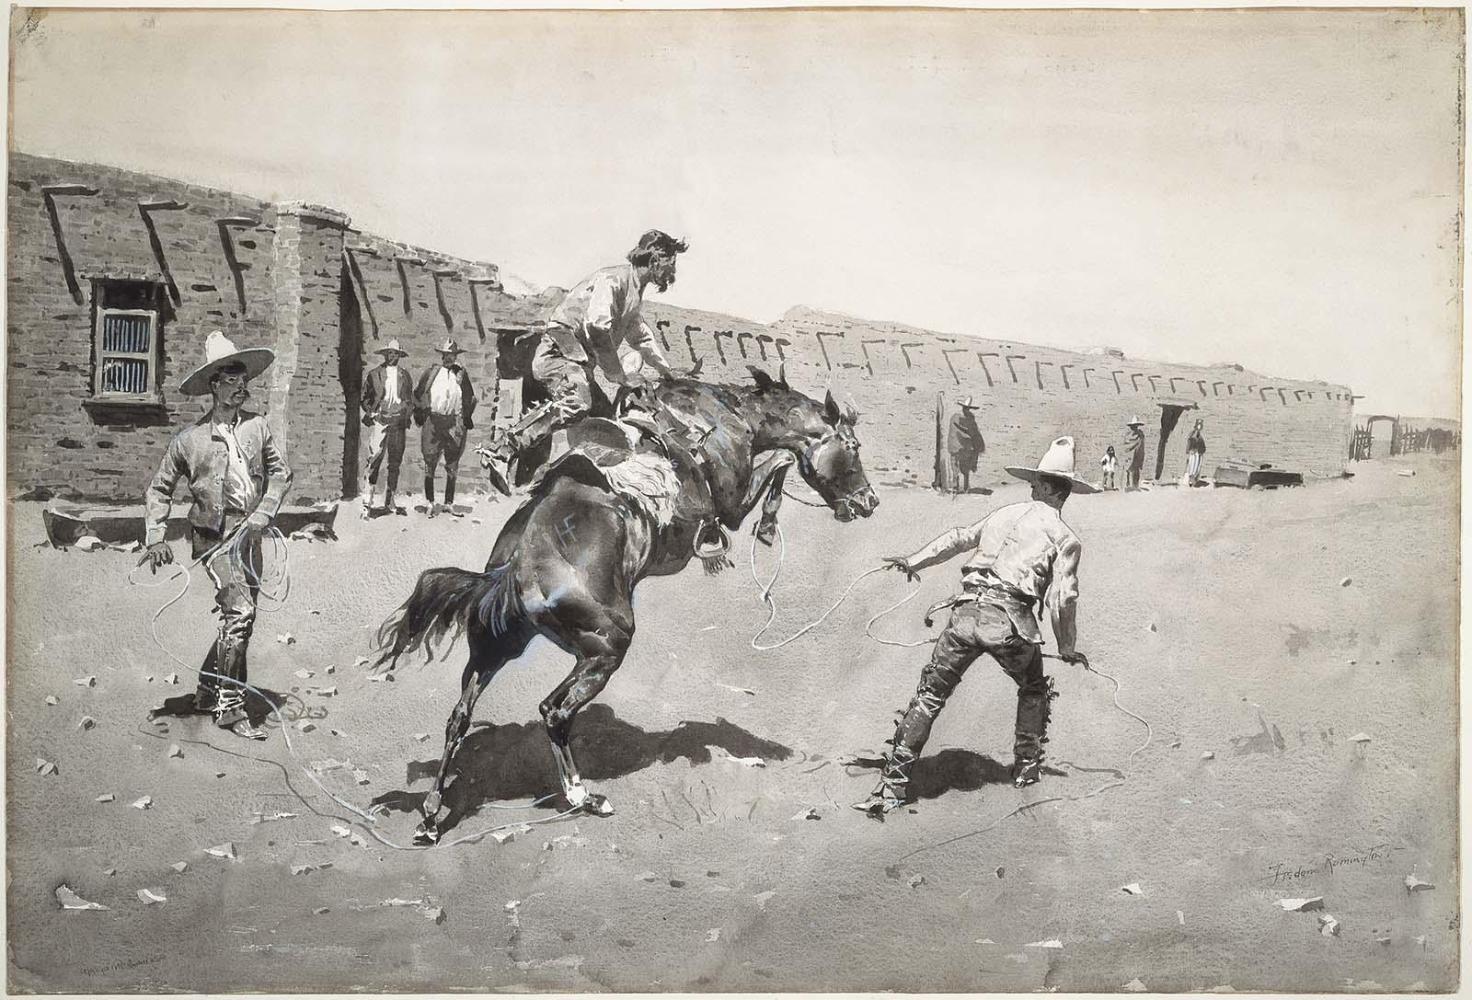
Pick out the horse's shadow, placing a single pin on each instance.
(514, 760)
(953, 770)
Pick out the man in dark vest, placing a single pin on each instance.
(964, 443)
(387, 403)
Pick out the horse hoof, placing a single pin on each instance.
(766, 533)
(426, 835)
(597, 805)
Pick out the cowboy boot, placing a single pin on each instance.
(893, 790)
(230, 702)
(497, 459)
(1031, 734)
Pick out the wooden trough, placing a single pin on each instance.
(67, 522)
(1245, 475)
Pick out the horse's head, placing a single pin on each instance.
(829, 462)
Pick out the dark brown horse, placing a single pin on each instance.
(606, 516)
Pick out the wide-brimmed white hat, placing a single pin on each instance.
(969, 404)
(450, 347)
(1058, 462)
(1135, 422)
(219, 352)
(392, 347)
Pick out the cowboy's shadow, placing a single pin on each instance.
(514, 760)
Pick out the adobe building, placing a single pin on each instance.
(115, 278)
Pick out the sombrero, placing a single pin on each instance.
(1058, 462)
(450, 347)
(967, 404)
(220, 352)
(1135, 422)
(392, 347)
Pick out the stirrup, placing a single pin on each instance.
(712, 542)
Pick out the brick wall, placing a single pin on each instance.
(326, 297)
(57, 443)
(420, 297)
(1027, 395)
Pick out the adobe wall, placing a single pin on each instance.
(326, 297)
(1027, 395)
(71, 224)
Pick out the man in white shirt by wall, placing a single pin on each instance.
(443, 403)
(1022, 552)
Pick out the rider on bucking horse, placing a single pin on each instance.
(584, 333)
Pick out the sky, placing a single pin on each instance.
(1274, 188)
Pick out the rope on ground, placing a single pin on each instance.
(1149, 735)
(765, 591)
(275, 588)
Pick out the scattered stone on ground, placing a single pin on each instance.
(69, 900)
(1302, 905)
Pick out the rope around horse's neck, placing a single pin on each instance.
(275, 589)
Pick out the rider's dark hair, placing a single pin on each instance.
(655, 244)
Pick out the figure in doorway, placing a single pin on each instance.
(1195, 450)
(1134, 444)
(387, 404)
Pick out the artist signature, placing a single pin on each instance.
(122, 965)
(1279, 873)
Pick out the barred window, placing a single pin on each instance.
(128, 334)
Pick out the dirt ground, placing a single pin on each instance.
(1265, 629)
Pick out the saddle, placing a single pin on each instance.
(599, 445)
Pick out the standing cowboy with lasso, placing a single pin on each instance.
(1023, 551)
(597, 317)
(237, 479)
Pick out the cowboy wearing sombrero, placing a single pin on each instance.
(1025, 556)
(964, 442)
(1134, 446)
(237, 478)
(387, 404)
(597, 317)
(444, 401)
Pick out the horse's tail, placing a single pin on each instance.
(445, 600)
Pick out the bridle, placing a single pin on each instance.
(847, 504)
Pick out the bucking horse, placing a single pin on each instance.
(605, 516)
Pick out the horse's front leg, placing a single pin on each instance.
(768, 477)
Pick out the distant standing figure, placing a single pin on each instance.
(1195, 449)
(387, 404)
(1134, 444)
(443, 404)
(965, 443)
(1108, 465)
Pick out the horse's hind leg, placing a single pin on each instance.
(600, 646)
(487, 656)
